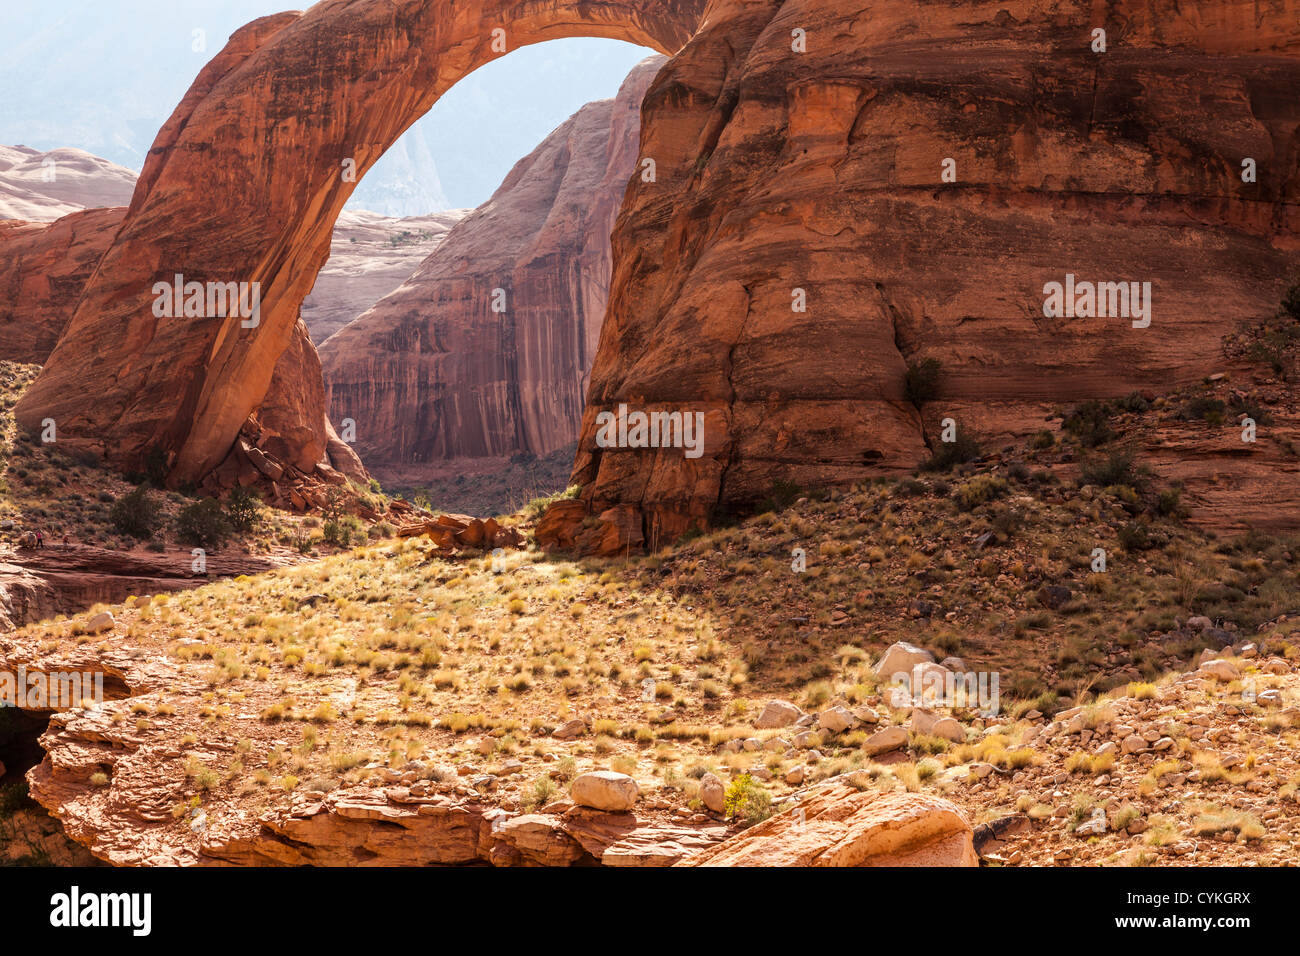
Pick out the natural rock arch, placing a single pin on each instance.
(244, 183)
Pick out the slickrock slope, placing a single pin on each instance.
(233, 192)
(821, 171)
(43, 187)
(370, 256)
(43, 270)
(432, 372)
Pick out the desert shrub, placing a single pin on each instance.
(1203, 408)
(979, 490)
(1134, 536)
(921, 383)
(1042, 439)
(203, 523)
(947, 454)
(136, 514)
(1089, 423)
(747, 800)
(244, 509)
(1117, 468)
(342, 531)
(1291, 303)
(780, 496)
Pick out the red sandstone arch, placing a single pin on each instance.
(244, 184)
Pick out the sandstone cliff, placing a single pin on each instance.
(43, 269)
(432, 372)
(370, 256)
(233, 192)
(822, 171)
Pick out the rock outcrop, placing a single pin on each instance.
(805, 237)
(43, 269)
(485, 351)
(370, 256)
(838, 825)
(231, 192)
(801, 247)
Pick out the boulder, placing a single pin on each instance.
(839, 825)
(835, 719)
(712, 793)
(605, 790)
(778, 713)
(900, 658)
(882, 741)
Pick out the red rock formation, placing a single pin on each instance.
(431, 372)
(43, 269)
(841, 826)
(244, 184)
(370, 256)
(800, 145)
(821, 171)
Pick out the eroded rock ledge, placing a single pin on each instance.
(118, 785)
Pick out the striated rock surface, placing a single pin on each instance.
(46, 186)
(232, 192)
(432, 372)
(821, 171)
(370, 256)
(43, 269)
(840, 826)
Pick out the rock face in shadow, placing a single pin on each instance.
(244, 183)
(801, 247)
(370, 256)
(43, 269)
(432, 372)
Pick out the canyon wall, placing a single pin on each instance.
(801, 247)
(244, 184)
(431, 372)
(370, 256)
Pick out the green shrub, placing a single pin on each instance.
(948, 454)
(1203, 408)
(747, 800)
(1090, 424)
(782, 495)
(922, 381)
(203, 523)
(1106, 471)
(342, 531)
(136, 514)
(1291, 303)
(1134, 536)
(244, 509)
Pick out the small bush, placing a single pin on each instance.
(244, 509)
(136, 514)
(922, 381)
(203, 523)
(1134, 536)
(948, 454)
(342, 531)
(979, 490)
(747, 800)
(782, 495)
(1106, 471)
(1090, 424)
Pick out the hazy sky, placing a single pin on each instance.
(103, 75)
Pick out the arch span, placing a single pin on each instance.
(244, 183)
